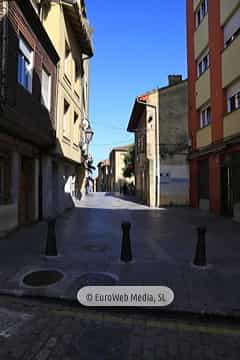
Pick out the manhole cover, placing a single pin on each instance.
(42, 278)
(94, 279)
(95, 247)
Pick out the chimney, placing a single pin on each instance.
(174, 79)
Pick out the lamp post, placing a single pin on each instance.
(88, 135)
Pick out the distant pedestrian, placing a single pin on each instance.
(87, 184)
(132, 188)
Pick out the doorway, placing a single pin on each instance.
(230, 180)
(27, 191)
(203, 181)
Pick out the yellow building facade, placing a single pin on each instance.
(68, 28)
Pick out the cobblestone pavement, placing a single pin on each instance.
(33, 330)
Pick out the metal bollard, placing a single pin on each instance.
(51, 245)
(200, 254)
(126, 251)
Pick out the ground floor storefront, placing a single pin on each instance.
(214, 182)
(19, 184)
(34, 184)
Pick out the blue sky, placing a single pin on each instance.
(137, 44)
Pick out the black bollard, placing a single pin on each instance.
(126, 251)
(51, 246)
(200, 254)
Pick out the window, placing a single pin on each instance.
(67, 61)
(141, 144)
(75, 117)
(232, 28)
(77, 75)
(65, 117)
(76, 129)
(77, 71)
(201, 12)
(234, 102)
(233, 97)
(205, 117)
(46, 89)
(203, 63)
(25, 64)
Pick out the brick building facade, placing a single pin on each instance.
(213, 40)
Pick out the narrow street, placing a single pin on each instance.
(119, 180)
(89, 242)
(163, 242)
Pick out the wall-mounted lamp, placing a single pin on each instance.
(88, 134)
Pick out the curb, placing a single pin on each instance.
(165, 313)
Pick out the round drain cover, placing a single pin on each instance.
(42, 278)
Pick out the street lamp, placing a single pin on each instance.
(88, 134)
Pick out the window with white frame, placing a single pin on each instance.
(201, 12)
(25, 64)
(46, 89)
(232, 28)
(205, 116)
(233, 97)
(203, 63)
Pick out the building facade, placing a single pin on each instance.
(103, 179)
(67, 26)
(159, 121)
(117, 165)
(28, 73)
(213, 40)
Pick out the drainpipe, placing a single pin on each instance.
(157, 161)
(4, 49)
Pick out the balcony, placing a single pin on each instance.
(231, 123)
(204, 137)
(81, 27)
(230, 62)
(203, 89)
(201, 37)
